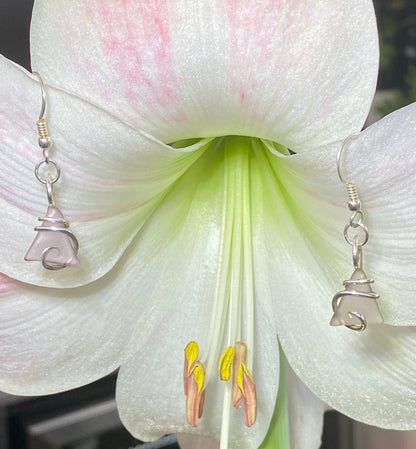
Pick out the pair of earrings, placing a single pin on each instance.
(355, 306)
(55, 246)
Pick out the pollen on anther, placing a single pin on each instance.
(191, 352)
(248, 389)
(191, 356)
(226, 362)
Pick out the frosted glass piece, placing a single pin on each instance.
(351, 305)
(57, 245)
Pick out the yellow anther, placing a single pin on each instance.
(198, 373)
(242, 372)
(226, 362)
(191, 356)
(191, 352)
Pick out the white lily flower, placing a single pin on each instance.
(220, 238)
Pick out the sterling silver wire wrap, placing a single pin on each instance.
(49, 179)
(354, 226)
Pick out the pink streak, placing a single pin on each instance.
(6, 284)
(141, 53)
(248, 19)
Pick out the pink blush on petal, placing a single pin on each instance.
(141, 54)
(245, 19)
(6, 284)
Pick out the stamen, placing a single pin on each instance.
(243, 386)
(191, 355)
(195, 394)
(234, 284)
(226, 362)
(248, 265)
(191, 351)
(248, 389)
(194, 383)
(240, 350)
(222, 290)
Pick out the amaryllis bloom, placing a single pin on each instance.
(199, 230)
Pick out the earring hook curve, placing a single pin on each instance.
(345, 142)
(42, 86)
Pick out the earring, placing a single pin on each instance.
(356, 306)
(54, 245)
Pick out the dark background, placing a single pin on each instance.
(14, 30)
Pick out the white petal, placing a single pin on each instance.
(299, 73)
(56, 339)
(112, 177)
(150, 393)
(53, 340)
(306, 415)
(276, 240)
(368, 376)
(381, 161)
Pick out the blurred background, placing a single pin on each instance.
(86, 418)
(397, 79)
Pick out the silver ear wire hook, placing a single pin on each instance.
(356, 305)
(42, 86)
(345, 143)
(55, 246)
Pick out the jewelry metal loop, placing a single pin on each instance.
(351, 241)
(371, 295)
(43, 180)
(55, 220)
(46, 155)
(48, 265)
(359, 282)
(339, 295)
(354, 223)
(65, 230)
(357, 327)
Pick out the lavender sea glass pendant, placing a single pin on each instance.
(357, 304)
(54, 245)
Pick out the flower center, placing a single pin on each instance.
(228, 354)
